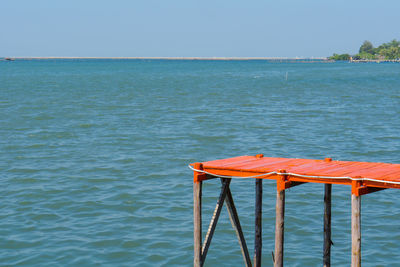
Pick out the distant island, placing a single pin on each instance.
(385, 52)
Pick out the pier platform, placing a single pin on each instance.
(363, 177)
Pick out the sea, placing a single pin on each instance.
(94, 157)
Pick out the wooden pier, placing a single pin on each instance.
(363, 177)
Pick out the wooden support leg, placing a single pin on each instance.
(279, 227)
(327, 226)
(258, 225)
(197, 186)
(233, 216)
(355, 230)
(214, 220)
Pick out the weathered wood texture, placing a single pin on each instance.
(258, 224)
(233, 216)
(197, 187)
(215, 217)
(355, 230)
(279, 227)
(327, 225)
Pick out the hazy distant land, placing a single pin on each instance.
(182, 58)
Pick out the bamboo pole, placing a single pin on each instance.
(258, 224)
(279, 227)
(355, 230)
(197, 188)
(327, 225)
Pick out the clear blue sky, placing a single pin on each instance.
(204, 28)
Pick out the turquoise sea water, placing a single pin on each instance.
(94, 154)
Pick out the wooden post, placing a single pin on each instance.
(197, 188)
(258, 224)
(355, 230)
(197, 222)
(279, 224)
(327, 225)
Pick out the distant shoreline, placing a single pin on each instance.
(286, 59)
(179, 58)
(374, 60)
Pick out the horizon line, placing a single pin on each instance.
(180, 58)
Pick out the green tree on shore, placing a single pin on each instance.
(340, 57)
(390, 52)
(366, 47)
(386, 51)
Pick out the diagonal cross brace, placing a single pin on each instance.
(233, 216)
(226, 195)
(214, 219)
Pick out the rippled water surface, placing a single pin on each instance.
(94, 154)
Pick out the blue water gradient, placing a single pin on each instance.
(93, 157)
